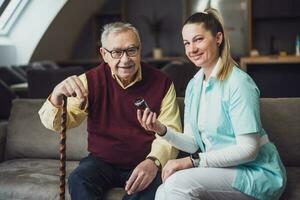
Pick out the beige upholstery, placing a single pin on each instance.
(30, 168)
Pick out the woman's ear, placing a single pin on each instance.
(219, 38)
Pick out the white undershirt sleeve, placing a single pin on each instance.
(245, 150)
(184, 142)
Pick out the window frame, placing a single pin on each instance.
(11, 13)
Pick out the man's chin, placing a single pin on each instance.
(125, 77)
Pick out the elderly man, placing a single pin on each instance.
(122, 153)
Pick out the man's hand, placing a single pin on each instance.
(71, 86)
(149, 121)
(141, 177)
(175, 165)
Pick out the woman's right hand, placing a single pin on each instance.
(148, 120)
(71, 86)
(173, 166)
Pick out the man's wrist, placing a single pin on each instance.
(155, 161)
(56, 101)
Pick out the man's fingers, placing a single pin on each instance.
(69, 89)
(136, 183)
(72, 82)
(65, 92)
(80, 85)
(130, 181)
(143, 185)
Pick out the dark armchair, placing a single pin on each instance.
(41, 82)
(180, 72)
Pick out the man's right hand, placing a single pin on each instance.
(71, 86)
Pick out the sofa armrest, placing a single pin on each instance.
(3, 130)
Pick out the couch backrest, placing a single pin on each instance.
(281, 119)
(28, 138)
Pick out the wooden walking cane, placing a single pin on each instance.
(62, 150)
(62, 147)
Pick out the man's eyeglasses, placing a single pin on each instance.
(117, 54)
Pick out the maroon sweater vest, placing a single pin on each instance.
(114, 133)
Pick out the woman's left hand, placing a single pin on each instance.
(148, 120)
(175, 165)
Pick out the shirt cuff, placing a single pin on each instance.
(203, 160)
(48, 100)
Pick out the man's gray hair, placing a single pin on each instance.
(117, 27)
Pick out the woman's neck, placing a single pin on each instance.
(207, 69)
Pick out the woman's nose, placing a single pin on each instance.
(193, 47)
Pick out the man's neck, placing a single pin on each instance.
(126, 82)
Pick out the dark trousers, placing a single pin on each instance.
(93, 177)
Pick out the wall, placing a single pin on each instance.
(63, 34)
(275, 24)
(171, 11)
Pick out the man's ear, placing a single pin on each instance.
(219, 38)
(103, 53)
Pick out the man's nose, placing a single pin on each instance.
(124, 57)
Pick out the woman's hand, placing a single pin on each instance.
(149, 121)
(175, 165)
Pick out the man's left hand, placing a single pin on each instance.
(141, 177)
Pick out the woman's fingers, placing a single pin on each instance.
(147, 119)
(149, 123)
(139, 116)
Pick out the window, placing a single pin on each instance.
(3, 4)
(9, 12)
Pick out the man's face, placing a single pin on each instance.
(126, 66)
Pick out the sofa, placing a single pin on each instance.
(29, 153)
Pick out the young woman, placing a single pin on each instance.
(222, 119)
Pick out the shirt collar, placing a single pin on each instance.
(138, 77)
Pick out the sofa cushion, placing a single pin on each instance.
(292, 190)
(28, 138)
(3, 127)
(38, 179)
(31, 179)
(281, 120)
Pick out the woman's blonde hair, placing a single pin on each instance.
(213, 22)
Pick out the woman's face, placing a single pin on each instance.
(201, 47)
